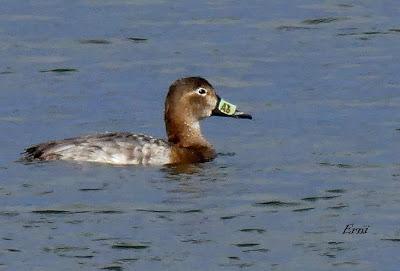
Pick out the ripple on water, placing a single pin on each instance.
(8, 213)
(70, 251)
(257, 230)
(137, 39)
(292, 27)
(336, 191)
(76, 211)
(94, 41)
(196, 241)
(113, 267)
(339, 165)
(303, 209)
(338, 207)
(364, 34)
(6, 72)
(61, 70)
(317, 198)
(228, 217)
(277, 203)
(13, 250)
(128, 245)
(391, 239)
(51, 211)
(324, 20)
(246, 244)
(264, 250)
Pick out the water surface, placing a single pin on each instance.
(322, 152)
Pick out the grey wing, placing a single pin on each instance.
(113, 148)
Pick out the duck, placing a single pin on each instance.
(189, 100)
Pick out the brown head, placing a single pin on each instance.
(188, 101)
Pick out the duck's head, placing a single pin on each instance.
(191, 99)
(195, 98)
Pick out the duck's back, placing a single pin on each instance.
(114, 148)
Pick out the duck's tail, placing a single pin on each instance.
(38, 152)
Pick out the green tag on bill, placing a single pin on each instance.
(226, 108)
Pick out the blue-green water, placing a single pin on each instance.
(320, 78)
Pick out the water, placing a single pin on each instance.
(321, 80)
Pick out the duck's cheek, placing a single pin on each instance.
(211, 104)
(204, 113)
(207, 113)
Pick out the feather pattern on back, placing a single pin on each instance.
(112, 148)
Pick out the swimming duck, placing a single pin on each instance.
(188, 101)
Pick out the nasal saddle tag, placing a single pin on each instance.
(226, 108)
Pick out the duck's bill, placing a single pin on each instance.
(226, 109)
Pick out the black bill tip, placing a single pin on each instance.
(226, 109)
(242, 115)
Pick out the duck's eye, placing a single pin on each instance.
(201, 91)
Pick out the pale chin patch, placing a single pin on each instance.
(206, 114)
(213, 103)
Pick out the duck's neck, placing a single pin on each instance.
(185, 132)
